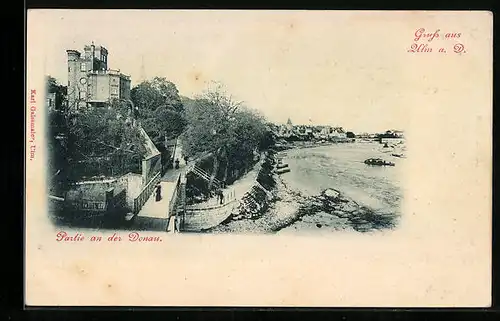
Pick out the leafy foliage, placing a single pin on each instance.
(161, 111)
(52, 86)
(102, 142)
(230, 132)
(350, 135)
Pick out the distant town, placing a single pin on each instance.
(291, 132)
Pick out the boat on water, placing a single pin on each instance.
(281, 165)
(378, 162)
(282, 170)
(399, 155)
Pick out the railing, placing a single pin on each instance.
(143, 196)
(208, 207)
(213, 203)
(200, 172)
(175, 196)
(56, 198)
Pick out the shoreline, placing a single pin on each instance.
(310, 144)
(330, 210)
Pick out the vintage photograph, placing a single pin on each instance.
(258, 158)
(131, 148)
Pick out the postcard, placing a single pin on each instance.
(252, 158)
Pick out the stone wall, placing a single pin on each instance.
(132, 183)
(257, 199)
(150, 167)
(151, 164)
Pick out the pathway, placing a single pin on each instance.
(210, 213)
(154, 215)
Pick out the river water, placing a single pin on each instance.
(341, 166)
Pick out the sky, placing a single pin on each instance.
(331, 68)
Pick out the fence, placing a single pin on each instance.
(213, 203)
(200, 172)
(143, 196)
(175, 196)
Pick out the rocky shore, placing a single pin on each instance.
(274, 207)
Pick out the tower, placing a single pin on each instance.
(74, 60)
(90, 81)
(100, 57)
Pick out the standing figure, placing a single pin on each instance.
(217, 193)
(177, 223)
(220, 196)
(158, 192)
(177, 163)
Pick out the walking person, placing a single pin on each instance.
(158, 192)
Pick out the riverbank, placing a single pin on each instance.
(310, 144)
(328, 211)
(282, 211)
(291, 209)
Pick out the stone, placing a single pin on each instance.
(340, 213)
(339, 221)
(349, 207)
(331, 193)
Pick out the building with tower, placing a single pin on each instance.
(90, 82)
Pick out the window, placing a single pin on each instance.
(82, 94)
(83, 67)
(69, 69)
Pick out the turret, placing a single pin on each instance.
(73, 55)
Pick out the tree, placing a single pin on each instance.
(154, 93)
(209, 118)
(56, 136)
(161, 111)
(224, 128)
(52, 86)
(103, 142)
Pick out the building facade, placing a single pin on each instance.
(90, 82)
(51, 101)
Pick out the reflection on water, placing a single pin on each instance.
(342, 167)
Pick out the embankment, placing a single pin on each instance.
(276, 207)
